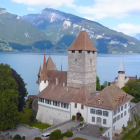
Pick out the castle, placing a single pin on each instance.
(121, 80)
(63, 94)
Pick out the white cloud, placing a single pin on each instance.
(128, 28)
(111, 8)
(50, 3)
(30, 9)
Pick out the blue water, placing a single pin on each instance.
(27, 65)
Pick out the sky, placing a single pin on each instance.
(120, 15)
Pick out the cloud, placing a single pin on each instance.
(111, 8)
(50, 3)
(128, 28)
(30, 9)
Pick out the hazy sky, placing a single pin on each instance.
(121, 15)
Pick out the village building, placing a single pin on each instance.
(121, 80)
(63, 94)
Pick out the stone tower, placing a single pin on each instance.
(82, 63)
(121, 75)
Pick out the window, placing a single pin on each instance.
(76, 61)
(88, 51)
(104, 121)
(80, 51)
(98, 112)
(82, 107)
(118, 110)
(105, 113)
(90, 60)
(93, 119)
(125, 105)
(44, 81)
(75, 105)
(42, 100)
(62, 105)
(118, 117)
(92, 111)
(114, 128)
(99, 120)
(73, 51)
(114, 120)
(115, 112)
(99, 102)
(121, 108)
(121, 115)
(93, 52)
(124, 113)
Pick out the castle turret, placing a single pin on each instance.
(82, 63)
(44, 80)
(121, 75)
(50, 64)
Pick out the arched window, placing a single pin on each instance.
(105, 113)
(98, 112)
(92, 111)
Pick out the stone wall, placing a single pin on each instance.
(82, 70)
(134, 110)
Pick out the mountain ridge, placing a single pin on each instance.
(58, 26)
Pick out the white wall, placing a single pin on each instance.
(108, 119)
(118, 124)
(83, 111)
(108, 133)
(50, 114)
(43, 85)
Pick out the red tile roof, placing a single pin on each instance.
(44, 75)
(50, 64)
(82, 42)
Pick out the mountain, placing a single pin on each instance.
(18, 34)
(137, 36)
(62, 28)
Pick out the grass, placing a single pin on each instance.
(25, 119)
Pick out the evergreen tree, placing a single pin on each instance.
(9, 115)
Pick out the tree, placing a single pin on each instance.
(98, 87)
(105, 83)
(8, 99)
(125, 89)
(73, 117)
(37, 138)
(17, 137)
(101, 129)
(102, 87)
(22, 90)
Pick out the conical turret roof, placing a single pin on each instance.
(39, 73)
(121, 68)
(44, 75)
(50, 64)
(82, 42)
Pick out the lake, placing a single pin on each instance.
(27, 65)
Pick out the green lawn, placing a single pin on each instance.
(25, 119)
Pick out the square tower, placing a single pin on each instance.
(82, 56)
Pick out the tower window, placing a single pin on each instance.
(80, 51)
(90, 60)
(73, 51)
(44, 81)
(88, 51)
(76, 61)
(93, 52)
(75, 105)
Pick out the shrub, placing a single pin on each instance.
(73, 117)
(55, 134)
(81, 119)
(101, 129)
(123, 127)
(81, 124)
(32, 118)
(23, 137)
(63, 135)
(37, 138)
(17, 137)
(69, 134)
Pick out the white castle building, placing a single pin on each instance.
(63, 94)
(121, 80)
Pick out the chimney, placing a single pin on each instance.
(56, 81)
(63, 84)
(52, 86)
